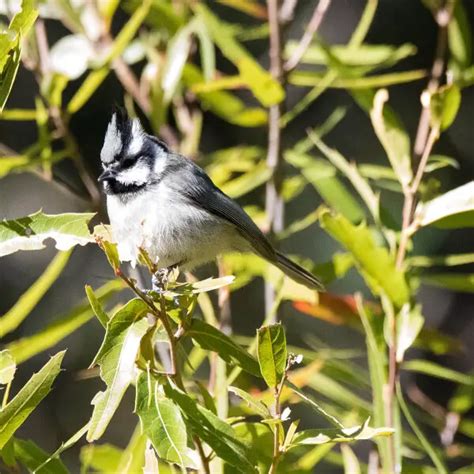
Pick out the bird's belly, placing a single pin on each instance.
(171, 233)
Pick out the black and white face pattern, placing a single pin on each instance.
(130, 158)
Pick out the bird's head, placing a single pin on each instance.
(131, 159)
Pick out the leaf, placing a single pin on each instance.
(272, 353)
(460, 37)
(410, 322)
(435, 370)
(210, 284)
(351, 464)
(444, 105)
(322, 176)
(8, 74)
(163, 424)
(315, 406)
(362, 432)
(256, 405)
(29, 233)
(30, 298)
(247, 182)
(116, 358)
(24, 348)
(437, 461)
(305, 78)
(224, 104)
(96, 306)
(268, 91)
(218, 434)
(375, 264)
(211, 339)
(462, 282)
(32, 457)
(101, 457)
(133, 456)
(7, 367)
(250, 7)
(452, 210)
(13, 415)
(151, 465)
(392, 136)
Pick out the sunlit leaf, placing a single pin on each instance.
(374, 262)
(27, 399)
(255, 405)
(351, 464)
(96, 306)
(116, 358)
(29, 233)
(250, 7)
(7, 367)
(435, 370)
(162, 422)
(444, 105)
(272, 353)
(101, 457)
(218, 434)
(8, 74)
(410, 322)
(210, 338)
(392, 136)
(454, 209)
(30, 298)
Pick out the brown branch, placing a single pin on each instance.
(311, 29)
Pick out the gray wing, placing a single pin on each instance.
(198, 188)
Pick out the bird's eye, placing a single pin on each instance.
(129, 161)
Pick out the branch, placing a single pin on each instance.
(307, 38)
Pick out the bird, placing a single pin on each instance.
(163, 203)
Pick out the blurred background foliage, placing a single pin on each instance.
(340, 113)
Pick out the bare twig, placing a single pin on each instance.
(311, 29)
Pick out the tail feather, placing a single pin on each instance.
(298, 273)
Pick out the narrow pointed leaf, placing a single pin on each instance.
(272, 353)
(7, 367)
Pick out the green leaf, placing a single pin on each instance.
(218, 434)
(96, 306)
(210, 284)
(27, 347)
(8, 74)
(441, 260)
(13, 415)
(247, 182)
(133, 456)
(211, 339)
(163, 424)
(224, 104)
(256, 405)
(460, 37)
(30, 298)
(116, 358)
(32, 457)
(463, 282)
(435, 370)
(452, 210)
(444, 105)
(410, 322)
(268, 91)
(272, 353)
(310, 79)
(362, 432)
(101, 457)
(323, 178)
(29, 233)
(375, 263)
(24, 20)
(392, 136)
(351, 464)
(437, 461)
(7, 367)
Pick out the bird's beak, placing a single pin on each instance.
(107, 175)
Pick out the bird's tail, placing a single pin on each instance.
(298, 273)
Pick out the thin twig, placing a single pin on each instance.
(305, 41)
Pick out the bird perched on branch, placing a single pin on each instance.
(165, 204)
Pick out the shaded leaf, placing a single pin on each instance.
(444, 105)
(410, 322)
(211, 339)
(96, 306)
(256, 405)
(272, 353)
(435, 370)
(30, 455)
(218, 434)
(460, 37)
(26, 400)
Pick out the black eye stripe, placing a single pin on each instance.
(129, 161)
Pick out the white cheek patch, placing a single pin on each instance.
(137, 175)
(112, 142)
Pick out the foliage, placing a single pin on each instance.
(211, 401)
